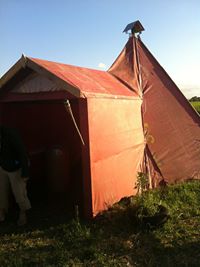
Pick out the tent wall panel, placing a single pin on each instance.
(116, 149)
(172, 125)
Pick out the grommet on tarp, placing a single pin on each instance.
(69, 110)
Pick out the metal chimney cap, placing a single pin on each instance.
(134, 27)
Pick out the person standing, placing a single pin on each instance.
(14, 173)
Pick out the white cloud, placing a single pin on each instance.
(102, 65)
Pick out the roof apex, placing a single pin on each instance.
(20, 64)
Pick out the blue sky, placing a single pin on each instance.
(86, 33)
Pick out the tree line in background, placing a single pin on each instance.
(194, 99)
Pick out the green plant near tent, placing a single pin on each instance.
(142, 182)
(196, 105)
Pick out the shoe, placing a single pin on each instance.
(22, 219)
(2, 215)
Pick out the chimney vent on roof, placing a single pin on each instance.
(133, 28)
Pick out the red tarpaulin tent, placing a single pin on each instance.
(131, 118)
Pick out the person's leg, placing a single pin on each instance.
(4, 194)
(18, 186)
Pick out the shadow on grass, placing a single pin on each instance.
(40, 217)
(52, 238)
(115, 241)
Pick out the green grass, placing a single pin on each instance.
(113, 238)
(196, 105)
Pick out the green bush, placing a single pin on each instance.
(196, 105)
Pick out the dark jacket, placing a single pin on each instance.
(12, 151)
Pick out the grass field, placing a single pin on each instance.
(196, 105)
(113, 239)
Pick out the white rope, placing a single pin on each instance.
(69, 109)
